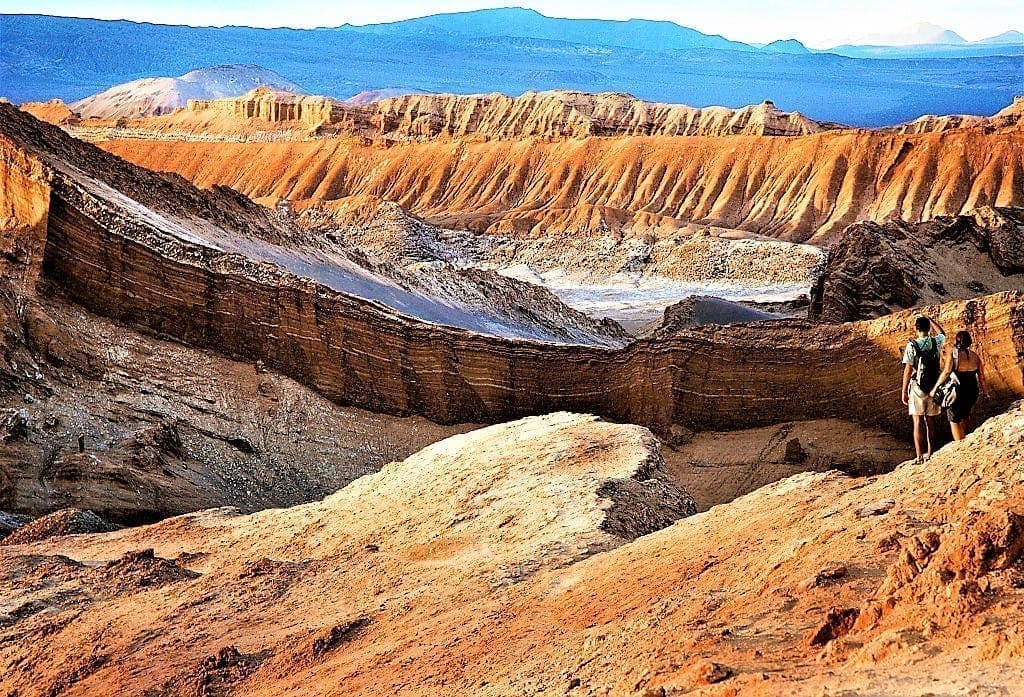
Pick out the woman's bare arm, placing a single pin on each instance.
(947, 368)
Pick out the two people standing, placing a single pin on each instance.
(925, 368)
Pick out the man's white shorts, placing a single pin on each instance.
(921, 403)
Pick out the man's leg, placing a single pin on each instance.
(918, 436)
(931, 434)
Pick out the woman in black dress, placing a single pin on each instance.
(970, 371)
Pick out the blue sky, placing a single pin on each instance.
(819, 23)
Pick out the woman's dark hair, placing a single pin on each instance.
(922, 324)
(963, 340)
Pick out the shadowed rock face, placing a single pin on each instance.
(874, 269)
(699, 310)
(125, 265)
(68, 521)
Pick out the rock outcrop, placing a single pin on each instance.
(564, 114)
(493, 564)
(797, 189)
(874, 269)
(54, 111)
(197, 284)
(273, 106)
(67, 521)
(1008, 118)
(699, 310)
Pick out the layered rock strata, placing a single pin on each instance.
(273, 106)
(99, 417)
(564, 114)
(556, 114)
(361, 352)
(1010, 117)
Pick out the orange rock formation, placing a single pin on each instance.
(271, 105)
(54, 111)
(797, 189)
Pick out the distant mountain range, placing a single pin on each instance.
(914, 35)
(644, 34)
(925, 33)
(515, 50)
(1007, 37)
(926, 40)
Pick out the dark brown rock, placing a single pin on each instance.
(795, 452)
(837, 624)
(874, 269)
(69, 521)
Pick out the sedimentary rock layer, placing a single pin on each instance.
(560, 114)
(96, 416)
(1009, 117)
(273, 106)
(797, 189)
(135, 269)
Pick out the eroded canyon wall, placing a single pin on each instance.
(797, 189)
(567, 114)
(101, 253)
(873, 269)
(273, 106)
(356, 353)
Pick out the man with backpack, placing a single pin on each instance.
(920, 373)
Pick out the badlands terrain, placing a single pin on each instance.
(555, 394)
